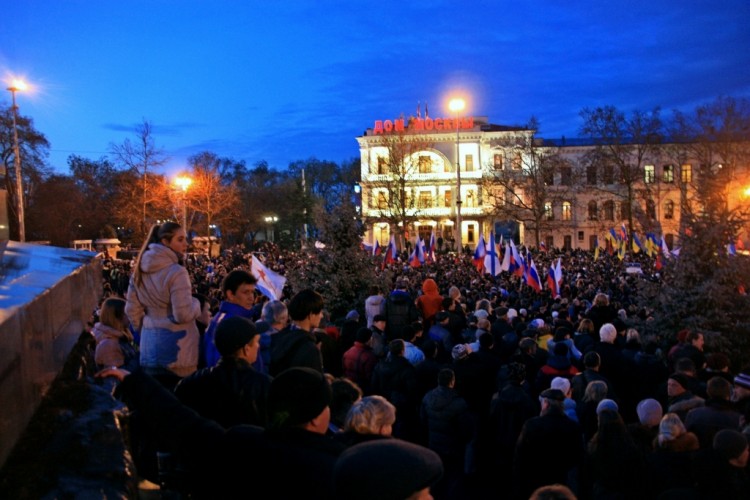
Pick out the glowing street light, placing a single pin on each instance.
(18, 85)
(184, 182)
(457, 105)
(271, 220)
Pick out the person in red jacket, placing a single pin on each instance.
(430, 302)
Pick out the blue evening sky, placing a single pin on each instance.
(284, 81)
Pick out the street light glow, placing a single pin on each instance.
(183, 182)
(457, 104)
(17, 85)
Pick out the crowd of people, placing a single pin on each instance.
(445, 383)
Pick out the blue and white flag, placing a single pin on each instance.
(269, 283)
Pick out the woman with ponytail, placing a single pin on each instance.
(160, 304)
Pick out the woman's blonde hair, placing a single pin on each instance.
(369, 415)
(112, 313)
(156, 234)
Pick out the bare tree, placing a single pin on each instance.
(209, 195)
(391, 190)
(143, 157)
(622, 145)
(523, 187)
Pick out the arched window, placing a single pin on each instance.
(669, 209)
(609, 210)
(567, 211)
(593, 210)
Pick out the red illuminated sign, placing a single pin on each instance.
(423, 124)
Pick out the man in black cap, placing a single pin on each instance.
(232, 392)
(550, 447)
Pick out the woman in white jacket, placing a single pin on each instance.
(160, 304)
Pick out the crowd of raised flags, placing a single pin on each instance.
(494, 257)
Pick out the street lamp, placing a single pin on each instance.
(271, 220)
(15, 86)
(184, 182)
(457, 105)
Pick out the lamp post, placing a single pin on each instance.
(17, 85)
(184, 182)
(457, 105)
(271, 220)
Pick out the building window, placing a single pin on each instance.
(469, 163)
(609, 210)
(382, 201)
(651, 209)
(471, 199)
(580, 235)
(470, 233)
(382, 166)
(591, 175)
(668, 175)
(566, 211)
(548, 176)
(608, 174)
(425, 199)
(517, 161)
(566, 176)
(548, 211)
(550, 242)
(669, 209)
(497, 161)
(567, 242)
(425, 164)
(648, 174)
(686, 173)
(624, 211)
(448, 198)
(593, 210)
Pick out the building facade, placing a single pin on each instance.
(421, 175)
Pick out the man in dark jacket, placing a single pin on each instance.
(395, 379)
(217, 460)
(449, 429)
(549, 449)
(296, 345)
(400, 310)
(232, 392)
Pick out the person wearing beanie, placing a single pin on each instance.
(670, 464)
(569, 405)
(232, 392)
(606, 404)
(238, 289)
(645, 430)
(721, 471)
(386, 469)
(349, 329)
(679, 397)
